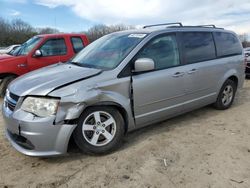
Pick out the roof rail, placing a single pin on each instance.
(210, 25)
(179, 24)
(155, 25)
(197, 26)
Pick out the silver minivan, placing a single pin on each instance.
(121, 82)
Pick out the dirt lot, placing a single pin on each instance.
(204, 148)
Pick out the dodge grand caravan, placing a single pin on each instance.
(37, 52)
(121, 82)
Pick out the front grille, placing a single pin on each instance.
(13, 96)
(10, 106)
(10, 100)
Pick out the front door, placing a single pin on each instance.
(54, 50)
(160, 93)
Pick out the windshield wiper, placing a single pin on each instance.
(82, 65)
(75, 63)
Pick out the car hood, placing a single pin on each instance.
(43, 81)
(5, 56)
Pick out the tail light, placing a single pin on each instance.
(245, 60)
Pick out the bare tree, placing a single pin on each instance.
(98, 31)
(47, 30)
(16, 31)
(4, 32)
(20, 31)
(244, 39)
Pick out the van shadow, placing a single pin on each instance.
(137, 136)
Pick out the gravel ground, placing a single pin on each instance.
(203, 148)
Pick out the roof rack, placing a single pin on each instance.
(179, 24)
(155, 25)
(210, 25)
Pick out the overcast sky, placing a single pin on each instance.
(78, 15)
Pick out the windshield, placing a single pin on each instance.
(29, 45)
(107, 52)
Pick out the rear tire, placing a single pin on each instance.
(226, 96)
(100, 130)
(4, 84)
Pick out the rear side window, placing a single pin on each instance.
(198, 46)
(77, 44)
(54, 47)
(227, 44)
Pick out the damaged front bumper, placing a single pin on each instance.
(36, 136)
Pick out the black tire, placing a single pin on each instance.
(4, 84)
(83, 143)
(219, 102)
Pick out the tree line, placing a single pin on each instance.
(17, 32)
(244, 39)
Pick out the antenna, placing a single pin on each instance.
(57, 37)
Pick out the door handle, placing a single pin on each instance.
(22, 65)
(178, 74)
(192, 71)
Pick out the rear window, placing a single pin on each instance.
(198, 46)
(77, 44)
(227, 44)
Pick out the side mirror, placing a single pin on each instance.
(38, 53)
(144, 64)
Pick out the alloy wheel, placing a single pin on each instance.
(227, 96)
(99, 128)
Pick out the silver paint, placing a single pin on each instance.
(158, 95)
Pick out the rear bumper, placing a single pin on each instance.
(36, 136)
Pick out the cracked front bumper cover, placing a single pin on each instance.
(35, 136)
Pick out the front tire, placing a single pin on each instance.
(226, 96)
(4, 84)
(100, 130)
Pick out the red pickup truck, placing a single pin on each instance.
(37, 52)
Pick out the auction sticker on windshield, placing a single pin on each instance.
(137, 35)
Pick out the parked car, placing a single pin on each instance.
(37, 52)
(121, 82)
(15, 51)
(247, 51)
(9, 48)
(247, 56)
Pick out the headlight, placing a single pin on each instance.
(42, 107)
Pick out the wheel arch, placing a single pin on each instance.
(3, 75)
(235, 79)
(230, 74)
(115, 105)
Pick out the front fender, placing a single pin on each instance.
(74, 101)
(15, 66)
